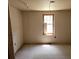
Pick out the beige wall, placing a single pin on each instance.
(33, 27)
(17, 27)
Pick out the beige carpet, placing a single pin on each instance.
(44, 52)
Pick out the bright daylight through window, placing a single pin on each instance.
(48, 24)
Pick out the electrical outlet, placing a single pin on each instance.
(54, 36)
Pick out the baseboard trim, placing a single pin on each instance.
(19, 48)
(47, 43)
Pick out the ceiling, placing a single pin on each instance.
(40, 5)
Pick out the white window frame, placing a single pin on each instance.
(45, 25)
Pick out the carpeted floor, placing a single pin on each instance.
(44, 52)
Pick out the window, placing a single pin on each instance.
(48, 24)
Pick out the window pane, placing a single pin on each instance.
(48, 19)
(49, 29)
(48, 24)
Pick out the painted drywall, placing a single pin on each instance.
(17, 27)
(33, 27)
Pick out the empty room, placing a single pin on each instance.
(40, 29)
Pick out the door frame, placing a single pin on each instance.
(10, 39)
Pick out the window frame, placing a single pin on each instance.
(52, 25)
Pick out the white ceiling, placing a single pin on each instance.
(42, 5)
